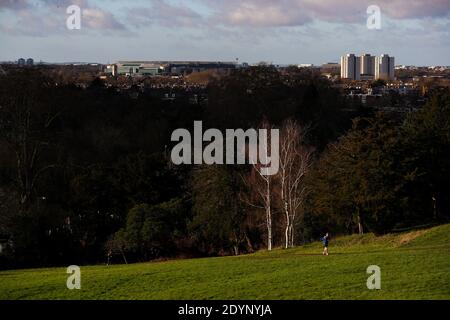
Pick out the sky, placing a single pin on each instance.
(416, 32)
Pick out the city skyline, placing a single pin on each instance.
(285, 32)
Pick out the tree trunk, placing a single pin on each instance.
(123, 256)
(360, 227)
(291, 233)
(288, 224)
(268, 217)
(269, 229)
(249, 243)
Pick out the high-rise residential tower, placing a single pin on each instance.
(384, 67)
(350, 67)
(367, 65)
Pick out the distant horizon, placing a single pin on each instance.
(281, 32)
(198, 60)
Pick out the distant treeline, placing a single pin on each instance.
(86, 176)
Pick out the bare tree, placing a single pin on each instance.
(260, 186)
(24, 124)
(295, 161)
(116, 244)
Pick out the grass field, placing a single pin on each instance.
(414, 265)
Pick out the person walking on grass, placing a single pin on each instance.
(325, 240)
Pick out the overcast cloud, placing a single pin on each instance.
(283, 31)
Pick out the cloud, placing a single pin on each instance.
(165, 14)
(13, 4)
(48, 17)
(95, 18)
(416, 9)
(34, 17)
(29, 21)
(33, 4)
(270, 13)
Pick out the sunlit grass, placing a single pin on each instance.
(413, 266)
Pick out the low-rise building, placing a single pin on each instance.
(154, 68)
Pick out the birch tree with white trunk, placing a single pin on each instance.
(260, 185)
(295, 161)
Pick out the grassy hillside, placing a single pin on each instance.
(414, 265)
